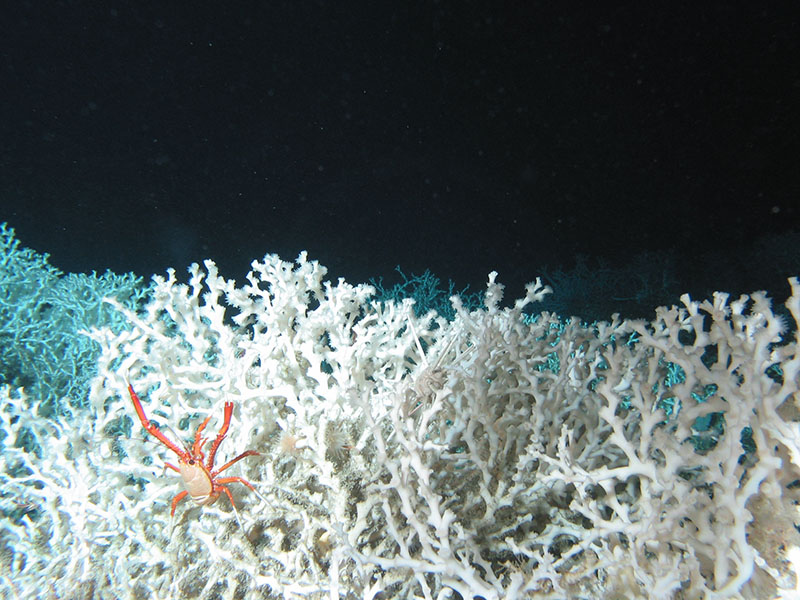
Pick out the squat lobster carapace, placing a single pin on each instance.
(199, 478)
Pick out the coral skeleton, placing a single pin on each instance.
(492, 455)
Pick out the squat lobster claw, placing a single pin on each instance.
(199, 479)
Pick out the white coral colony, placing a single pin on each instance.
(493, 456)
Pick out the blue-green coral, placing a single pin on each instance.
(428, 294)
(42, 315)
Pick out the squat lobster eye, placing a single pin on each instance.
(200, 480)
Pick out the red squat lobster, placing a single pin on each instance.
(200, 480)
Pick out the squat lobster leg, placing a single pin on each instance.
(199, 477)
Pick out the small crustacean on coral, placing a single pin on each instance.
(200, 478)
(429, 378)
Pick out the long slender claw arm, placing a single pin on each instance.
(152, 429)
(220, 436)
(197, 447)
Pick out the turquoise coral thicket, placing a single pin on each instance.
(427, 292)
(42, 315)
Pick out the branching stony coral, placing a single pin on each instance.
(546, 460)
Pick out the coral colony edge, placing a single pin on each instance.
(500, 453)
